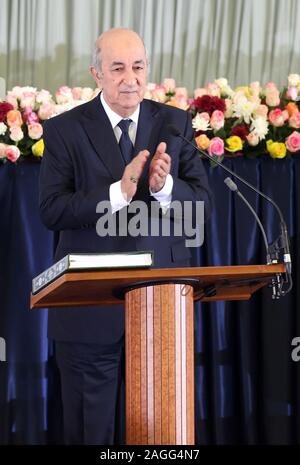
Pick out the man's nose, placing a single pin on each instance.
(129, 77)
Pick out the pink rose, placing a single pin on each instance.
(292, 93)
(169, 84)
(271, 85)
(179, 102)
(35, 131)
(64, 95)
(30, 116)
(77, 92)
(181, 92)
(27, 100)
(216, 147)
(2, 150)
(255, 87)
(199, 92)
(272, 97)
(16, 133)
(12, 153)
(12, 100)
(229, 108)
(159, 94)
(151, 86)
(294, 121)
(213, 89)
(43, 96)
(277, 117)
(46, 110)
(16, 92)
(217, 120)
(262, 110)
(252, 139)
(293, 142)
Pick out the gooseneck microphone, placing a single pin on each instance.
(281, 243)
(233, 187)
(276, 282)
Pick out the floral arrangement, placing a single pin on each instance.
(250, 120)
(247, 121)
(22, 115)
(168, 93)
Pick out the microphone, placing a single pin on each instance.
(276, 283)
(233, 187)
(282, 242)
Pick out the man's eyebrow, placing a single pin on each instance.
(121, 63)
(117, 63)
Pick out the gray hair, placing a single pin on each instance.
(96, 57)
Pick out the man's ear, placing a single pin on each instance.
(95, 75)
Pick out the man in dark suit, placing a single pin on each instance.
(87, 159)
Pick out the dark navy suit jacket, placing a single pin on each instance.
(81, 160)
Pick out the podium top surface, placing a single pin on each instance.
(101, 287)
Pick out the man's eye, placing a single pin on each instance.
(117, 69)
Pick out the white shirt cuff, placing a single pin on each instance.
(164, 196)
(116, 197)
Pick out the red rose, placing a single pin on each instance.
(4, 109)
(209, 104)
(240, 131)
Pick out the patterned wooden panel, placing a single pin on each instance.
(160, 365)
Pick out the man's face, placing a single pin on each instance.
(123, 73)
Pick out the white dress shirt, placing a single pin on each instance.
(117, 201)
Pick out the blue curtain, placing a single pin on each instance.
(247, 386)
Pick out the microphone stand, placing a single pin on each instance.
(281, 243)
(277, 282)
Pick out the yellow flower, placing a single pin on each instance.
(245, 90)
(38, 148)
(276, 149)
(202, 142)
(234, 144)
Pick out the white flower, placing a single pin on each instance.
(222, 82)
(260, 127)
(3, 129)
(243, 108)
(201, 122)
(294, 79)
(224, 86)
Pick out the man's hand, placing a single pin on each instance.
(160, 167)
(132, 174)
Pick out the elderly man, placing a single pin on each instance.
(115, 148)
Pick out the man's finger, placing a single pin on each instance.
(161, 148)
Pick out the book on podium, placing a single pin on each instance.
(92, 261)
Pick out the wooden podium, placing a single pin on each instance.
(159, 334)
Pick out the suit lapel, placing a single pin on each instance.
(102, 137)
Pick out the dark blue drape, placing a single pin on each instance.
(247, 386)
